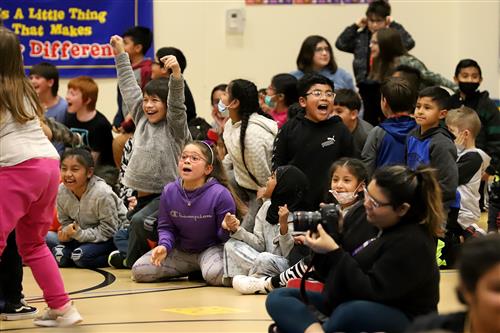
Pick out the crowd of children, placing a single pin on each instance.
(415, 168)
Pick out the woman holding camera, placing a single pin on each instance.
(387, 280)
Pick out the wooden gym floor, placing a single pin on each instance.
(111, 302)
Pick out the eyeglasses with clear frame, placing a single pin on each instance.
(194, 158)
(374, 202)
(318, 94)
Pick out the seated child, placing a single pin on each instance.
(264, 252)
(89, 212)
(348, 179)
(465, 125)
(84, 119)
(190, 232)
(161, 132)
(346, 105)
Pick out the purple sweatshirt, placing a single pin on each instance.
(191, 220)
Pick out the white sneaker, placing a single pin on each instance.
(61, 318)
(248, 285)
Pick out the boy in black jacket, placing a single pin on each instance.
(313, 140)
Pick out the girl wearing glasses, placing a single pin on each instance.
(383, 285)
(192, 208)
(316, 55)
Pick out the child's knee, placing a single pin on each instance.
(213, 275)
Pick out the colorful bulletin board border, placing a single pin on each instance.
(302, 2)
(74, 34)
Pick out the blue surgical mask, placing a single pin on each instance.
(222, 107)
(269, 101)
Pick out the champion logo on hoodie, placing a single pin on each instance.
(329, 141)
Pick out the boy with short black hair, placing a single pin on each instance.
(432, 144)
(347, 104)
(356, 37)
(386, 142)
(137, 42)
(314, 139)
(465, 125)
(468, 77)
(84, 119)
(158, 70)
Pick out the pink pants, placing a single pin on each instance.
(28, 194)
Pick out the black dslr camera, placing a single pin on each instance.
(308, 220)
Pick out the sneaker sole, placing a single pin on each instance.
(56, 323)
(17, 316)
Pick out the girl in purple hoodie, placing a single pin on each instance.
(192, 209)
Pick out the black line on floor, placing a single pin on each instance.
(109, 278)
(146, 322)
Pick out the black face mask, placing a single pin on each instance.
(468, 88)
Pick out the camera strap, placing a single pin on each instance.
(303, 295)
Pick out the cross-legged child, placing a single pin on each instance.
(190, 232)
(161, 132)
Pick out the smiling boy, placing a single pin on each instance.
(314, 139)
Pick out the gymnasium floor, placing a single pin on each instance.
(111, 302)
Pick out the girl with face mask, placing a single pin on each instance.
(348, 180)
(281, 93)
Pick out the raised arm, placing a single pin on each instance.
(129, 88)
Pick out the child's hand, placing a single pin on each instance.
(361, 23)
(117, 44)
(71, 229)
(230, 222)
(158, 254)
(320, 242)
(170, 62)
(283, 219)
(132, 202)
(61, 235)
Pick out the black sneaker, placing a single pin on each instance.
(116, 260)
(18, 311)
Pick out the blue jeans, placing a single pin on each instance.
(52, 240)
(291, 315)
(121, 241)
(83, 255)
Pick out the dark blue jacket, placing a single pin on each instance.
(386, 142)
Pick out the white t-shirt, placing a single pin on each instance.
(22, 142)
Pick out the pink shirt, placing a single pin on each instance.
(279, 117)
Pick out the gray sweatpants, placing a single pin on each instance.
(242, 259)
(178, 264)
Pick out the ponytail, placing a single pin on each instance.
(420, 189)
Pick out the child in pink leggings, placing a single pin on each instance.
(29, 178)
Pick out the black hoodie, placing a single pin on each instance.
(312, 147)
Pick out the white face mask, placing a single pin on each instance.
(344, 198)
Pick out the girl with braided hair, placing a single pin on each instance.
(248, 134)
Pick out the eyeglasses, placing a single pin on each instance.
(321, 49)
(373, 201)
(318, 93)
(194, 158)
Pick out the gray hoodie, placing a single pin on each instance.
(99, 212)
(157, 147)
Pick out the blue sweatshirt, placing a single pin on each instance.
(191, 220)
(386, 142)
